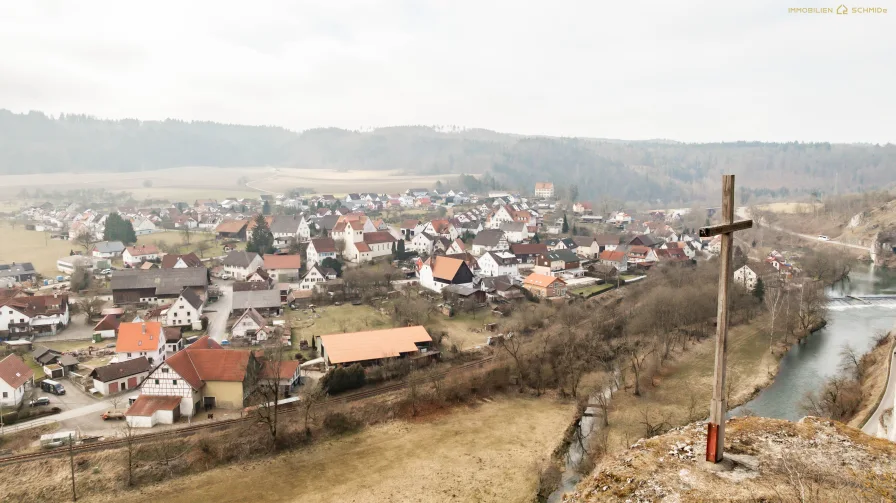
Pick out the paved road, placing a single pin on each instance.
(94, 408)
(872, 427)
(217, 320)
(743, 212)
(76, 330)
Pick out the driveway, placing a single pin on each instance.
(76, 330)
(80, 411)
(219, 312)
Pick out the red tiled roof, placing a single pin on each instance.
(287, 369)
(142, 336)
(231, 226)
(142, 250)
(38, 305)
(324, 245)
(362, 247)
(542, 280)
(282, 261)
(612, 256)
(170, 260)
(197, 365)
(109, 322)
(14, 371)
(147, 405)
(379, 237)
(373, 344)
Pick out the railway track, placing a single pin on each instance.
(225, 423)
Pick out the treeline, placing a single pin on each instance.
(652, 172)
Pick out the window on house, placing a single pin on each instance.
(165, 369)
(157, 381)
(174, 382)
(129, 355)
(4, 394)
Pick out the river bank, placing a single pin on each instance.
(806, 366)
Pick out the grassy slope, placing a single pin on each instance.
(457, 457)
(689, 379)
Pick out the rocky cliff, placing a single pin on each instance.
(814, 460)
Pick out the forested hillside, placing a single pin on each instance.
(656, 172)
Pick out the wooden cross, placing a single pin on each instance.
(715, 438)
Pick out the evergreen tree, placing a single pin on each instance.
(400, 254)
(332, 264)
(565, 228)
(759, 290)
(536, 238)
(262, 239)
(119, 229)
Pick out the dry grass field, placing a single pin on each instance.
(336, 319)
(20, 245)
(486, 453)
(190, 183)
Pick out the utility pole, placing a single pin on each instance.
(71, 459)
(715, 438)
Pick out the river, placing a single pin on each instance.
(806, 366)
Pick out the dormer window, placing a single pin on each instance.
(139, 343)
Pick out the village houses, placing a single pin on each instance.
(135, 255)
(283, 268)
(320, 249)
(316, 275)
(544, 190)
(746, 277)
(545, 287)
(43, 314)
(15, 377)
(136, 339)
(500, 263)
(240, 264)
(203, 375)
(186, 311)
(439, 271)
(489, 240)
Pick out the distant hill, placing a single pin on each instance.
(654, 172)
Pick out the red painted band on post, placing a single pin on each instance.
(712, 439)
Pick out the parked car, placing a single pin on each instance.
(822, 237)
(113, 414)
(106, 272)
(39, 401)
(52, 387)
(226, 275)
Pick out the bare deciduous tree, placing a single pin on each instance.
(268, 389)
(186, 234)
(86, 239)
(91, 306)
(129, 433)
(202, 247)
(311, 396)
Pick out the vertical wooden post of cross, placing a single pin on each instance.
(715, 439)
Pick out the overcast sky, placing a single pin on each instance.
(631, 69)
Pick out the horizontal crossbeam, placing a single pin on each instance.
(714, 230)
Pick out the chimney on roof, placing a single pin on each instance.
(144, 327)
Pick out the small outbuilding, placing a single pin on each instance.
(150, 410)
